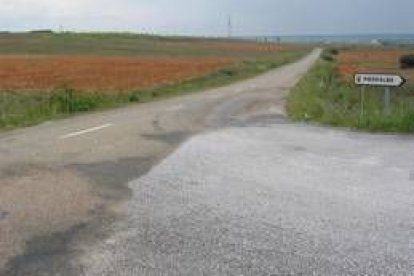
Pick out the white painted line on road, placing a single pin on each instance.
(218, 96)
(89, 130)
(176, 108)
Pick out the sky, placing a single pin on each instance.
(210, 17)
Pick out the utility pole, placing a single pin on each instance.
(229, 27)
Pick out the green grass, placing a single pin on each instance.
(115, 44)
(323, 96)
(18, 109)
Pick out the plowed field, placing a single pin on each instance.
(89, 73)
(353, 61)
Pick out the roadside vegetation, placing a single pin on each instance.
(99, 71)
(328, 95)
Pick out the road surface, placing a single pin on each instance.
(215, 183)
(270, 198)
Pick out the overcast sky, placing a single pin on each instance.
(209, 17)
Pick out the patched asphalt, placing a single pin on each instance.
(271, 199)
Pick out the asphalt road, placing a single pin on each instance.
(239, 191)
(271, 198)
(63, 184)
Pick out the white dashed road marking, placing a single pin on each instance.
(81, 132)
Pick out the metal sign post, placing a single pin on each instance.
(380, 80)
(362, 102)
(387, 101)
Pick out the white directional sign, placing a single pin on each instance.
(387, 80)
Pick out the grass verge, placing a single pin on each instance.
(324, 96)
(19, 109)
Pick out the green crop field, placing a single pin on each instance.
(130, 45)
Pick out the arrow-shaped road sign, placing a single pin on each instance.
(387, 80)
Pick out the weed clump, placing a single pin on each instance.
(324, 96)
(407, 61)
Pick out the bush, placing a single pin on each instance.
(330, 54)
(407, 61)
(333, 52)
(327, 57)
(134, 98)
(228, 72)
(82, 103)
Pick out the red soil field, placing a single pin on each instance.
(353, 61)
(91, 73)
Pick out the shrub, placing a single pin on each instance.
(330, 54)
(333, 51)
(228, 72)
(82, 103)
(134, 98)
(407, 61)
(327, 57)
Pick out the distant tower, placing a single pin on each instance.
(229, 27)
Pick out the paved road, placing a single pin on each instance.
(264, 196)
(271, 198)
(246, 193)
(249, 194)
(63, 184)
